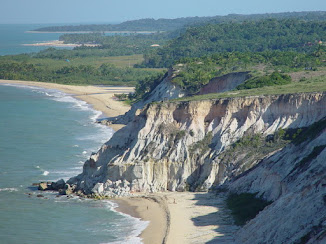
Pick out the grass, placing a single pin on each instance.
(118, 61)
(315, 85)
(60, 71)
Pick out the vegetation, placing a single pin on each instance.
(298, 87)
(251, 36)
(173, 24)
(145, 86)
(315, 152)
(268, 80)
(88, 70)
(268, 68)
(117, 45)
(195, 75)
(202, 146)
(311, 132)
(133, 25)
(245, 206)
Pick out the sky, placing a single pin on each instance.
(113, 11)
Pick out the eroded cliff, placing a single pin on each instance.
(177, 146)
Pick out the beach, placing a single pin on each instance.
(174, 217)
(181, 217)
(101, 98)
(57, 43)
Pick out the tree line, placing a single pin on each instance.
(251, 36)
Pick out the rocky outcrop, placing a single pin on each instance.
(176, 145)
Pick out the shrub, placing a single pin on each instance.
(245, 206)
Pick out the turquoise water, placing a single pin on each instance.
(46, 135)
(13, 36)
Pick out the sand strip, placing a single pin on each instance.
(57, 43)
(181, 217)
(100, 97)
(150, 208)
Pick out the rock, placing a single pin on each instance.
(60, 184)
(98, 189)
(67, 190)
(44, 186)
(39, 195)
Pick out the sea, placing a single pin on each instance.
(47, 135)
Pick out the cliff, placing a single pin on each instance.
(294, 178)
(270, 145)
(177, 146)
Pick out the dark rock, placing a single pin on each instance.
(39, 195)
(60, 184)
(67, 190)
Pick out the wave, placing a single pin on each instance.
(138, 224)
(101, 134)
(8, 189)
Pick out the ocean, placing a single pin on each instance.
(46, 135)
(13, 36)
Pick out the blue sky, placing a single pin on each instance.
(94, 11)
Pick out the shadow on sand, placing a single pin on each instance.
(221, 218)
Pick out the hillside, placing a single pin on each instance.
(251, 36)
(173, 24)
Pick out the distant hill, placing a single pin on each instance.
(248, 36)
(173, 24)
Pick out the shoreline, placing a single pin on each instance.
(87, 32)
(173, 217)
(101, 98)
(181, 217)
(150, 208)
(57, 43)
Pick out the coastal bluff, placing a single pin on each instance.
(234, 144)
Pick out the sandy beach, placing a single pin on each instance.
(100, 97)
(181, 217)
(57, 43)
(174, 217)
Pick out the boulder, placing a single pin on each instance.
(44, 186)
(67, 190)
(60, 184)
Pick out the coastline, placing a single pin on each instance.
(151, 208)
(87, 32)
(174, 217)
(57, 43)
(101, 98)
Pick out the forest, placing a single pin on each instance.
(178, 23)
(251, 36)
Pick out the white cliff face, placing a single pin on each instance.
(175, 145)
(295, 180)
